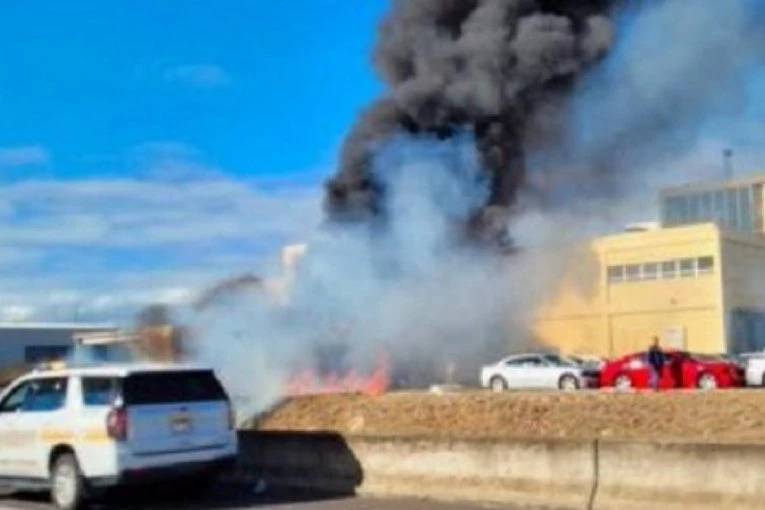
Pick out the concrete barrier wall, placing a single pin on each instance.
(680, 476)
(555, 473)
(540, 472)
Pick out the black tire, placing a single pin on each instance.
(67, 483)
(199, 485)
(498, 384)
(568, 382)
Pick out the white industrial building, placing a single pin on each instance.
(35, 342)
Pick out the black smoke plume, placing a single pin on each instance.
(490, 66)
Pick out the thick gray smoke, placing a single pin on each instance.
(682, 82)
(486, 65)
(489, 104)
(408, 291)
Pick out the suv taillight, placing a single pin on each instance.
(117, 423)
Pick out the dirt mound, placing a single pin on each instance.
(723, 416)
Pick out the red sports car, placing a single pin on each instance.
(681, 370)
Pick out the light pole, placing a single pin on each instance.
(728, 163)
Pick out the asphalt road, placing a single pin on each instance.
(239, 498)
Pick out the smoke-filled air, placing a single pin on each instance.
(491, 66)
(504, 125)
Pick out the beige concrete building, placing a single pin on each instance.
(697, 279)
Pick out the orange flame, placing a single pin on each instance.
(308, 382)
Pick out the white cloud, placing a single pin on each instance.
(15, 313)
(111, 296)
(100, 248)
(23, 156)
(132, 212)
(199, 75)
(13, 257)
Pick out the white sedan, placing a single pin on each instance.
(537, 371)
(754, 366)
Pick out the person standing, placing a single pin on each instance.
(655, 363)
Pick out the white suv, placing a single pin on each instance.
(75, 431)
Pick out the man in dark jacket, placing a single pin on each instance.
(656, 363)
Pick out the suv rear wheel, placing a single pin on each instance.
(67, 483)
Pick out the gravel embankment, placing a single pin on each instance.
(722, 416)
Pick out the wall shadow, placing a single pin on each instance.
(319, 462)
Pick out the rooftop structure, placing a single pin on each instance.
(735, 204)
(28, 343)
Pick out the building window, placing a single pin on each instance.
(732, 203)
(633, 272)
(665, 270)
(745, 205)
(757, 204)
(719, 208)
(694, 208)
(651, 271)
(675, 211)
(739, 209)
(705, 265)
(669, 270)
(706, 204)
(687, 268)
(747, 331)
(616, 274)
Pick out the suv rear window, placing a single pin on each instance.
(147, 388)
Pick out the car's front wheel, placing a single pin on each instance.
(568, 383)
(623, 382)
(67, 483)
(707, 382)
(497, 384)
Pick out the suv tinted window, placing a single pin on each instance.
(99, 391)
(46, 395)
(171, 387)
(15, 398)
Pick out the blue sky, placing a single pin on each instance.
(148, 148)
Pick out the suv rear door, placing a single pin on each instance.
(176, 411)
